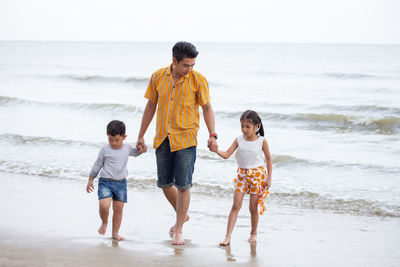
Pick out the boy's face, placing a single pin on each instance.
(116, 141)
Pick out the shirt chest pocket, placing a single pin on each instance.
(185, 96)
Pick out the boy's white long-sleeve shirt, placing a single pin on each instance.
(111, 162)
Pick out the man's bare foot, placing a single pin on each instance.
(118, 237)
(253, 238)
(226, 242)
(103, 228)
(178, 239)
(172, 229)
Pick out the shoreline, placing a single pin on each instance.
(50, 221)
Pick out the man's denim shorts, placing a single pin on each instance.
(175, 168)
(112, 188)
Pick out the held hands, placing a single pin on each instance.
(142, 149)
(140, 145)
(212, 144)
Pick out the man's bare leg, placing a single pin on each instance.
(104, 207)
(171, 193)
(118, 207)
(182, 206)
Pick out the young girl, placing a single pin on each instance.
(251, 175)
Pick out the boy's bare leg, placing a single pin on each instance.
(237, 204)
(182, 206)
(253, 206)
(118, 207)
(104, 207)
(171, 193)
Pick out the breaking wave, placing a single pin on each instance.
(306, 200)
(330, 121)
(107, 79)
(74, 105)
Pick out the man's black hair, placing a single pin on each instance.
(184, 49)
(116, 127)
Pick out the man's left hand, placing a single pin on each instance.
(212, 144)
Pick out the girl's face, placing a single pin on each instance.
(249, 129)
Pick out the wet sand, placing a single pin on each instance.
(54, 222)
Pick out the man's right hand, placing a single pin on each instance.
(140, 145)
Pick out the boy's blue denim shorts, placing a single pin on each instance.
(112, 188)
(175, 168)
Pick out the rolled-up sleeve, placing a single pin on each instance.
(203, 91)
(151, 92)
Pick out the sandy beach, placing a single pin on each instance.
(333, 131)
(53, 222)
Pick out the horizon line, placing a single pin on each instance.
(204, 42)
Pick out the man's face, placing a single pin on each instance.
(184, 66)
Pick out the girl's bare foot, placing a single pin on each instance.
(172, 229)
(178, 239)
(253, 238)
(118, 237)
(103, 228)
(226, 242)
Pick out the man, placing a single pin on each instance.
(178, 91)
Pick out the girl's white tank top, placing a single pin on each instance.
(249, 154)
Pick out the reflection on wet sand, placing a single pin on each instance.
(253, 249)
(178, 250)
(229, 256)
(115, 243)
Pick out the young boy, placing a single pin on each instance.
(111, 163)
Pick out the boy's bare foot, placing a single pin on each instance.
(103, 228)
(172, 229)
(118, 237)
(178, 239)
(226, 242)
(253, 238)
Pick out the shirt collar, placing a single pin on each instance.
(169, 72)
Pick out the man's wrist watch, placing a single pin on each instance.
(214, 135)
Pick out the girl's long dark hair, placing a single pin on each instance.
(253, 117)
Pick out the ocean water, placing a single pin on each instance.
(331, 115)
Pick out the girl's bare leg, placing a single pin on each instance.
(253, 206)
(237, 204)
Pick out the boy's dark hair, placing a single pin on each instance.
(253, 118)
(116, 127)
(184, 49)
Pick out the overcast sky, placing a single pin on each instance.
(299, 21)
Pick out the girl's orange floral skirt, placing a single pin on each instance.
(252, 181)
